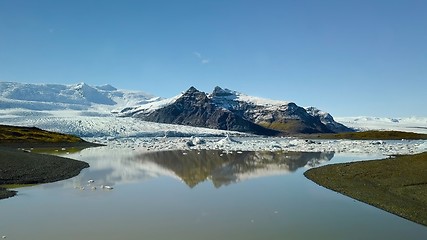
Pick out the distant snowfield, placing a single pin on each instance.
(410, 124)
(134, 134)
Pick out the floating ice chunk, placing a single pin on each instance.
(198, 141)
(194, 141)
(228, 140)
(379, 142)
(107, 187)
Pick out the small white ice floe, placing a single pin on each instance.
(3, 237)
(91, 181)
(93, 188)
(107, 187)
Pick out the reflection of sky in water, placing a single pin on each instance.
(235, 196)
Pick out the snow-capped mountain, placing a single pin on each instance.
(277, 114)
(80, 97)
(229, 110)
(196, 108)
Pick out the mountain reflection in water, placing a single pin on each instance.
(194, 167)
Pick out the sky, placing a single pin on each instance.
(349, 58)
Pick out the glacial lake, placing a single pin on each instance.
(197, 195)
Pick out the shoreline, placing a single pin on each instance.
(397, 184)
(20, 167)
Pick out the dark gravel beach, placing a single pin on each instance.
(21, 167)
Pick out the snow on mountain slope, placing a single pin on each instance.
(280, 115)
(78, 97)
(328, 120)
(226, 96)
(146, 107)
(409, 124)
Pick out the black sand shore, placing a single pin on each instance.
(397, 185)
(21, 167)
(18, 166)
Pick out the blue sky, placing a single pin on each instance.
(349, 58)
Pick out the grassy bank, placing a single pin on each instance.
(12, 134)
(397, 185)
(371, 135)
(17, 137)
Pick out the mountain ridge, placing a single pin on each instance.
(229, 110)
(222, 109)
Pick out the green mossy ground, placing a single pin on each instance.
(371, 135)
(12, 134)
(397, 185)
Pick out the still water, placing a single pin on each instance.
(196, 195)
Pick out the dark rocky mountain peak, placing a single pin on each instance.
(229, 110)
(192, 90)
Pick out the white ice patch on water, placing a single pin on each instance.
(267, 144)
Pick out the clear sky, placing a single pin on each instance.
(350, 58)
